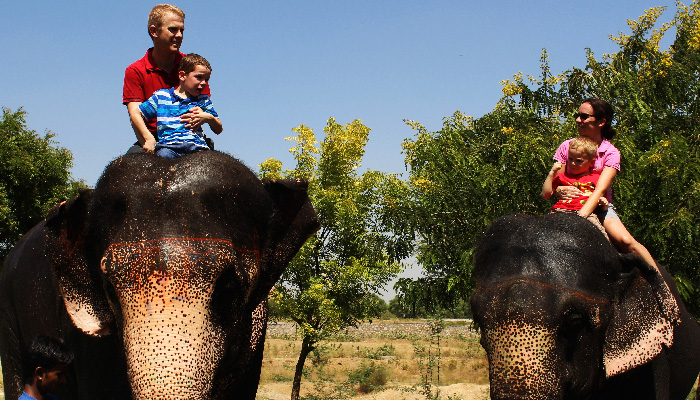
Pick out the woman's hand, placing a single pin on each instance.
(567, 192)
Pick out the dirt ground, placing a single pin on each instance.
(464, 391)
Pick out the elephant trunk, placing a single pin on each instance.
(172, 347)
(522, 362)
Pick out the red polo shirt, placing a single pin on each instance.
(143, 77)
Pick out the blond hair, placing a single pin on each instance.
(588, 147)
(157, 15)
(190, 61)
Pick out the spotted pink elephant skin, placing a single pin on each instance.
(564, 316)
(157, 279)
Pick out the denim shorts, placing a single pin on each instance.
(609, 213)
(175, 150)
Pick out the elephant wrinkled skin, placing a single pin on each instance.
(157, 279)
(564, 316)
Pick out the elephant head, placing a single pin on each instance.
(177, 257)
(562, 312)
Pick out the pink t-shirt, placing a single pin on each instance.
(608, 156)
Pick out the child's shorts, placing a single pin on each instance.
(175, 150)
(609, 213)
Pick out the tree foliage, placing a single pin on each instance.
(332, 282)
(33, 177)
(473, 171)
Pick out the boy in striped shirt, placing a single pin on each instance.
(177, 137)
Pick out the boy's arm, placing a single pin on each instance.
(143, 135)
(196, 117)
(215, 124)
(547, 189)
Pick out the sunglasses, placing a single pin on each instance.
(583, 116)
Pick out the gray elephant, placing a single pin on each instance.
(157, 279)
(564, 316)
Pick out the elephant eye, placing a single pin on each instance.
(227, 293)
(570, 332)
(572, 326)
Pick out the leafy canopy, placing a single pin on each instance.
(473, 171)
(34, 176)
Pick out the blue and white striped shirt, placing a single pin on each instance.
(167, 107)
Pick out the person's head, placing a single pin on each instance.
(598, 119)
(45, 364)
(166, 26)
(582, 154)
(194, 73)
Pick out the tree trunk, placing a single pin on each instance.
(306, 347)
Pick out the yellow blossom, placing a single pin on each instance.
(655, 158)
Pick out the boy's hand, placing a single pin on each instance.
(150, 145)
(555, 168)
(603, 203)
(194, 118)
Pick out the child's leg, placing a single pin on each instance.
(624, 241)
(168, 153)
(593, 218)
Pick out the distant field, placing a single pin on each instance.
(382, 360)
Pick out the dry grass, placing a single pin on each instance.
(403, 352)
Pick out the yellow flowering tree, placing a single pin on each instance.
(475, 170)
(332, 282)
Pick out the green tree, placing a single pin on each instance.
(34, 176)
(462, 177)
(476, 170)
(332, 282)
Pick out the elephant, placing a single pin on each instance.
(563, 315)
(157, 279)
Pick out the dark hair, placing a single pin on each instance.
(190, 62)
(603, 109)
(46, 352)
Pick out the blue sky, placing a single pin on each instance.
(278, 64)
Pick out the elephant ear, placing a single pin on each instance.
(293, 222)
(645, 314)
(81, 287)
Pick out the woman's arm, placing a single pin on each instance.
(604, 182)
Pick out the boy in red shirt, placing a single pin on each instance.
(578, 173)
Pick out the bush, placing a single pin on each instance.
(368, 377)
(378, 353)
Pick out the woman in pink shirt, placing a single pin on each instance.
(594, 119)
